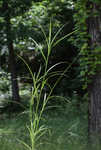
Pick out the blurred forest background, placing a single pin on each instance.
(27, 29)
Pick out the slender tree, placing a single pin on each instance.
(12, 60)
(94, 90)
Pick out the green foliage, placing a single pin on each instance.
(4, 82)
(90, 58)
(80, 38)
(14, 8)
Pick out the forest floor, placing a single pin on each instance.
(67, 130)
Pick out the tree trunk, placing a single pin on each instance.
(94, 122)
(95, 107)
(14, 81)
(12, 62)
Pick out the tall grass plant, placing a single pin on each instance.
(36, 131)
